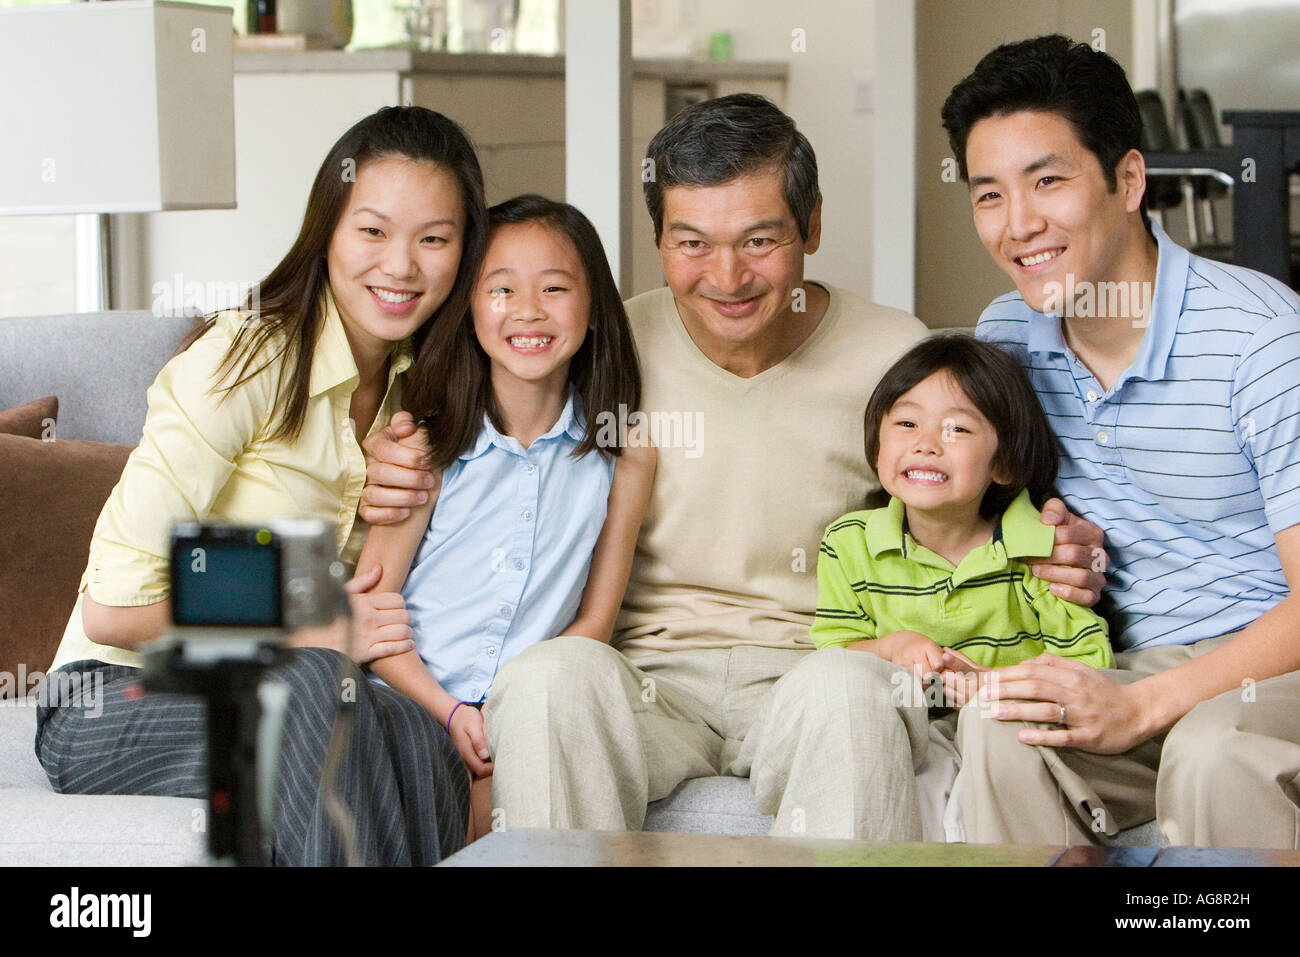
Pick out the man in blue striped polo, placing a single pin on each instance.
(1173, 384)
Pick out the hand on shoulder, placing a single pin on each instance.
(398, 477)
(1076, 568)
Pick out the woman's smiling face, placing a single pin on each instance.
(394, 254)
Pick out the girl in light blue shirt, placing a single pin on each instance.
(537, 496)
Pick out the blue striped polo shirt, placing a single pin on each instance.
(1190, 462)
(505, 558)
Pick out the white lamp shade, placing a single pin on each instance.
(116, 107)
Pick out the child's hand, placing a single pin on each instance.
(961, 678)
(960, 688)
(381, 625)
(470, 738)
(915, 652)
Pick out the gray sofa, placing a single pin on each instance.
(99, 366)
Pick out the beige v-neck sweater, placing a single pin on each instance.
(751, 471)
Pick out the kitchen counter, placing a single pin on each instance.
(415, 61)
(291, 106)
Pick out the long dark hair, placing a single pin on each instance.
(997, 386)
(450, 385)
(289, 301)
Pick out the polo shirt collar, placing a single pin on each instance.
(885, 529)
(1047, 336)
(1019, 533)
(570, 423)
(1022, 530)
(332, 364)
(1166, 306)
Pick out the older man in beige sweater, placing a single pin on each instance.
(755, 384)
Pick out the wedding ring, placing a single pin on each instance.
(1061, 720)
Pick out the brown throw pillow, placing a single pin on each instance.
(29, 419)
(51, 493)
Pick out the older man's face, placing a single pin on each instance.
(733, 257)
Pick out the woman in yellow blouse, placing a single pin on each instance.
(258, 419)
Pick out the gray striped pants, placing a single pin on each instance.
(402, 779)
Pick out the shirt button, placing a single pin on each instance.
(505, 611)
(492, 652)
(530, 469)
(1092, 396)
(474, 694)
(518, 564)
(1103, 437)
(528, 515)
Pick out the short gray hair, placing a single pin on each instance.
(716, 141)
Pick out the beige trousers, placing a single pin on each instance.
(1226, 775)
(583, 737)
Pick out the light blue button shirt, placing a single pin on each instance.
(505, 558)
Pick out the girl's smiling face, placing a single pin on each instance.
(394, 253)
(531, 304)
(936, 449)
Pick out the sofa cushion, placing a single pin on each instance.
(716, 805)
(30, 419)
(52, 493)
(40, 827)
(19, 767)
(98, 364)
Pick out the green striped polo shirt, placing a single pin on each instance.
(874, 578)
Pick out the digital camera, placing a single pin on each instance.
(279, 577)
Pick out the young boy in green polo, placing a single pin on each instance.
(938, 581)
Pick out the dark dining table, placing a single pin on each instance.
(1265, 151)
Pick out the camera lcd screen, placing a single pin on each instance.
(225, 583)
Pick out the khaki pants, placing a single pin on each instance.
(583, 737)
(1226, 775)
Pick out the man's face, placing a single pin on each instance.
(1042, 206)
(733, 257)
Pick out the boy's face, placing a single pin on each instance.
(936, 450)
(1043, 208)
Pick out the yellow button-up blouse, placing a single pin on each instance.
(206, 455)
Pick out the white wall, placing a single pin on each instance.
(838, 47)
(37, 265)
(955, 279)
(893, 168)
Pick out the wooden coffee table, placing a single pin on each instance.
(524, 847)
